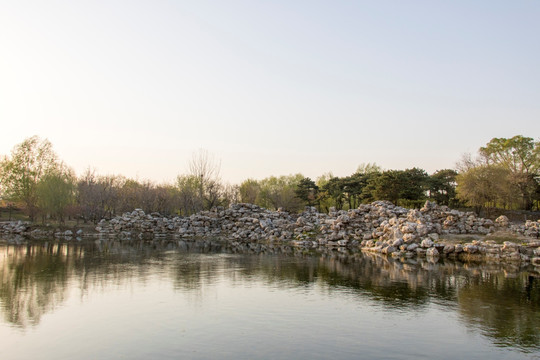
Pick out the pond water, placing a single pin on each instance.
(205, 300)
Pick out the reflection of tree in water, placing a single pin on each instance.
(502, 301)
(505, 308)
(392, 283)
(35, 279)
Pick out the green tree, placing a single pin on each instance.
(408, 185)
(307, 191)
(324, 200)
(414, 183)
(484, 186)
(249, 191)
(55, 193)
(442, 187)
(20, 174)
(279, 192)
(368, 168)
(519, 155)
(190, 200)
(386, 186)
(334, 189)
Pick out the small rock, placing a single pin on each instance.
(397, 243)
(432, 252)
(471, 249)
(448, 249)
(426, 243)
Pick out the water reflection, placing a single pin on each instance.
(501, 302)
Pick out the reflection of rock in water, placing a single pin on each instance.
(502, 301)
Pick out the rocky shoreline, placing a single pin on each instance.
(431, 232)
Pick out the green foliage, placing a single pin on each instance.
(513, 168)
(442, 187)
(333, 189)
(30, 162)
(249, 191)
(484, 186)
(519, 154)
(190, 199)
(307, 191)
(386, 186)
(55, 193)
(368, 168)
(414, 183)
(279, 192)
(393, 185)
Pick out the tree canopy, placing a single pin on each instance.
(30, 162)
(505, 174)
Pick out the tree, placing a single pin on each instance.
(249, 191)
(99, 197)
(387, 186)
(442, 187)
(324, 201)
(30, 161)
(307, 191)
(364, 174)
(279, 192)
(353, 187)
(512, 164)
(204, 170)
(368, 168)
(89, 199)
(188, 192)
(56, 192)
(519, 155)
(484, 186)
(414, 184)
(333, 188)
(230, 195)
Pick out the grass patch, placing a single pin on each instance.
(461, 238)
(16, 215)
(502, 236)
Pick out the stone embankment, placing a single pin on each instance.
(381, 227)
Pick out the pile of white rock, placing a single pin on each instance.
(14, 227)
(379, 227)
(239, 222)
(383, 221)
(529, 229)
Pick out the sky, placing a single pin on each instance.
(267, 87)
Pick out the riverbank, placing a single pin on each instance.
(381, 227)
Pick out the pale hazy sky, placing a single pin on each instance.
(268, 87)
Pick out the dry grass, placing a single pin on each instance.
(460, 238)
(498, 237)
(501, 236)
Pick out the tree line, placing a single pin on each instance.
(35, 179)
(410, 188)
(504, 174)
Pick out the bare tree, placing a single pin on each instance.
(204, 170)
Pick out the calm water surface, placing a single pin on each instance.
(184, 300)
